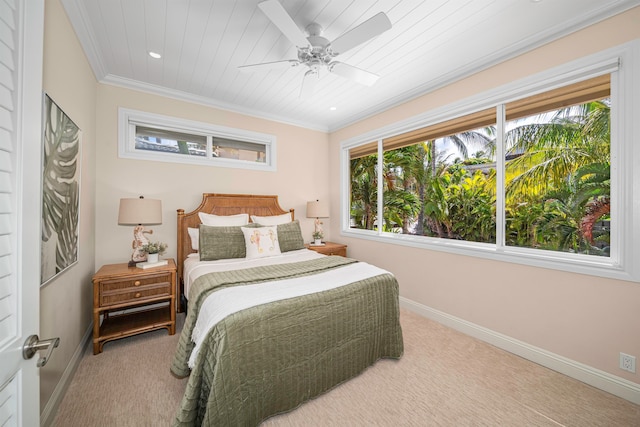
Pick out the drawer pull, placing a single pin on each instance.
(136, 283)
(137, 294)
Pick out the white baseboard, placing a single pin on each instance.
(51, 408)
(604, 381)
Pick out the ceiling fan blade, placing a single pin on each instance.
(353, 73)
(281, 19)
(275, 65)
(369, 29)
(309, 83)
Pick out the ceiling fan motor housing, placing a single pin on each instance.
(318, 54)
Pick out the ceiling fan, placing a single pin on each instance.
(316, 52)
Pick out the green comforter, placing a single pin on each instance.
(269, 359)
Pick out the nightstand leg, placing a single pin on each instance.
(96, 332)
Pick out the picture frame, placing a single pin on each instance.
(60, 207)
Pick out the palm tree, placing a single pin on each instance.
(435, 203)
(550, 152)
(563, 164)
(364, 190)
(407, 166)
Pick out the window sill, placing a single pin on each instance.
(574, 263)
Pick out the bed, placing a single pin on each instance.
(267, 331)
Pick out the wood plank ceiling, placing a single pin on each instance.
(202, 42)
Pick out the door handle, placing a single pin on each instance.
(33, 344)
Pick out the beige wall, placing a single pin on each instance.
(586, 319)
(302, 162)
(66, 302)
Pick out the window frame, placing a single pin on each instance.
(128, 120)
(622, 63)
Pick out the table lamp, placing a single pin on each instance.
(139, 212)
(317, 209)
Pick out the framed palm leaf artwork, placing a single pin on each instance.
(60, 191)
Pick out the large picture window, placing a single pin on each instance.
(532, 176)
(161, 138)
(558, 167)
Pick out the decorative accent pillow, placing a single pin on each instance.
(290, 236)
(272, 220)
(224, 220)
(194, 234)
(221, 243)
(261, 242)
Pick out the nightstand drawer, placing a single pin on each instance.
(337, 252)
(134, 295)
(123, 291)
(134, 283)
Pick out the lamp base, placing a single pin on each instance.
(132, 263)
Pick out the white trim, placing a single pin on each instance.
(179, 95)
(625, 167)
(51, 408)
(500, 166)
(127, 119)
(598, 64)
(602, 380)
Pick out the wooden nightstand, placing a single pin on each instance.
(118, 287)
(329, 248)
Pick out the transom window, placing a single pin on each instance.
(154, 137)
(534, 176)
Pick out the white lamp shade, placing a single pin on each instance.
(317, 209)
(140, 211)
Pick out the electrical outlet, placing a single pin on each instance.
(628, 362)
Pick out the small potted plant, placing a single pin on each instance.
(317, 237)
(153, 249)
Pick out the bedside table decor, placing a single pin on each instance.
(317, 209)
(132, 301)
(138, 212)
(154, 250)
(152, 264)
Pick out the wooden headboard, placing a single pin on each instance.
(220, 204)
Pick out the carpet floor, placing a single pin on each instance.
(445, 378)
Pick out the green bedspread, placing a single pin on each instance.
(271, 358)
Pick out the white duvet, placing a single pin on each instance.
(227, 301)
(194, 268)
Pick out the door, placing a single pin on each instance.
(21, 49)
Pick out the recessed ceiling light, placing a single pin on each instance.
(155, 55)
(333, 108)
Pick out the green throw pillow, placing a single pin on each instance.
(290, 236)
(221, 242)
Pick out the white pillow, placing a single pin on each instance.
(272, 220)
(224, 220)
(261, 242)
(194, 234)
